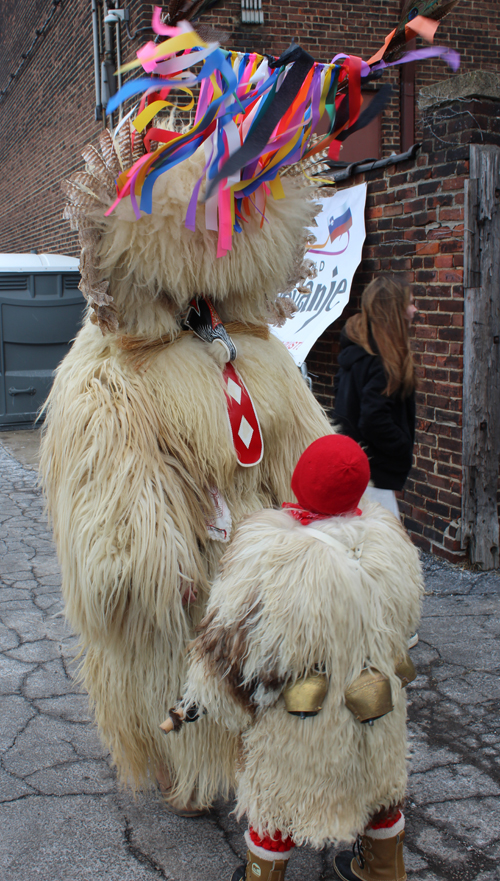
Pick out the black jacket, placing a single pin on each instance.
(383, 425)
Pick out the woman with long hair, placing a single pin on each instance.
(375, 386)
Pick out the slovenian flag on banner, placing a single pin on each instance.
(337, 226)
(341, 221)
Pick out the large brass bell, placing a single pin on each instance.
(369, 696)
(405, 669)
(305, 696)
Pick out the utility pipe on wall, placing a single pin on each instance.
(108, 66)
(97, 66)
(118, 40)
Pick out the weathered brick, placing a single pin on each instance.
(438, 508)
(392, 210)
(450, 333)
(423, 543)
(414, 206)
(443, 261)
(424, 218)
(453, 183)
(451, 556)
(406, 193)
(446, 214)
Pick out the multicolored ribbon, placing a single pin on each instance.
(254, 114)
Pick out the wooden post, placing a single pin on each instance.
(481, 385)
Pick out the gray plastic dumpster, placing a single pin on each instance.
(41, 311)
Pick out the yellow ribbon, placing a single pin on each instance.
(145, 117)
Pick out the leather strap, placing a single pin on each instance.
(352, 553)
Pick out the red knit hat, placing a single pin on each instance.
(331, 475)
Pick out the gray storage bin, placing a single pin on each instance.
(41, 311)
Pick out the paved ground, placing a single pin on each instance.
(23, 444)
(61, 814)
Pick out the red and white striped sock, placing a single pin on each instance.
(392, 825)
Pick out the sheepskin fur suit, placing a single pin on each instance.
(285, 604)
(136, 434)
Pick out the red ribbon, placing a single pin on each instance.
(306, 517)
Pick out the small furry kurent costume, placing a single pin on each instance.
(337, 595)
(137, 437)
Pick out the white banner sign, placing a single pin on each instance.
(337, 253)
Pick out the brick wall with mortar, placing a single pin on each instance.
(47, 116)
(415, 231)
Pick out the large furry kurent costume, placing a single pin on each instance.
(136, 440)
(297, 602)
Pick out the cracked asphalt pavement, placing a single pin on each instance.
(63, 816)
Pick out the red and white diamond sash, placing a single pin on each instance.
(243, 419)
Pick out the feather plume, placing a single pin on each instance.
(211, 34)
(106, 318)
(138, 149)
(109, 153)
(73, 215)
(123, 145)
(93, 186)
(177, 10)
(98, 167)
(282, 309)
(80, 198)
(313, 166)
(89, 193)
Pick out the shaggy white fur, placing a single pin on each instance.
(284, 604)
(155, 265)
(133, 445)
(128, 457)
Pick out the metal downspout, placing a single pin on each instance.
(97, 65)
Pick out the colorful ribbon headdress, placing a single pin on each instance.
(255, 115)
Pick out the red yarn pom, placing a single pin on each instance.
(278, 844)
(331, 475)
(389, 821)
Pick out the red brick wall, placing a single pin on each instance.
(46, 116)
(415, 231)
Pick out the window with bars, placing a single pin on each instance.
(251, 12)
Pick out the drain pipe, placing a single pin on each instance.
(107, 66)
(97, 66)
(118, 39)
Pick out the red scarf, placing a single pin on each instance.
(307, 517)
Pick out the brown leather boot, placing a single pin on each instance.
(257, 869)
(376, 859)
